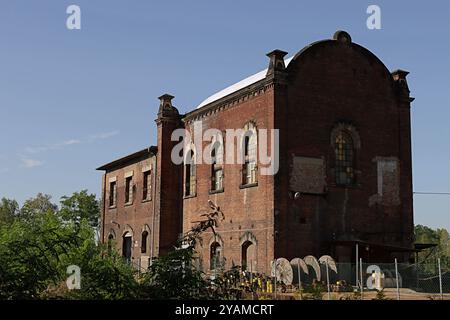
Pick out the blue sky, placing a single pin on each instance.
(71, 100)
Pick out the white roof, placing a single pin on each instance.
(238, 86)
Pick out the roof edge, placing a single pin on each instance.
(152, 150)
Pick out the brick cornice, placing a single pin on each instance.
(231, 100)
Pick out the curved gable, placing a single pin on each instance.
(338, 59)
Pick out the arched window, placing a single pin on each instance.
(344, 157)
(249, 149)
(144, 241)
(216, 167)
(189, 174)
(215, 256)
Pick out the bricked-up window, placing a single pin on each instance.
(344, 153)
(144, 242)
(215, 256)
(247, 255)
(147, 185)
(249, 168)
(189, 174)
(128, 190)
(216, 167)
(110, 243)
(112, 193)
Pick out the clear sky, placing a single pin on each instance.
(71, 100)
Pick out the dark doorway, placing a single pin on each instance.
(126, 247)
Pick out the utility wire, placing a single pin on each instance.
(436, 193)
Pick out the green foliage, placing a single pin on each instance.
(356, 295)
(104, 276)
(38, 243)
(226, 284)
(38, 205)
(381, 295)
(440, 237)
(79, 206)
(9, 210)
(174, 275)
(30, 255)
(314, 291)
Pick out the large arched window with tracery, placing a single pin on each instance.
(344, 158)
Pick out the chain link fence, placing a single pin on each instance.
(348, 281)
(342, 281)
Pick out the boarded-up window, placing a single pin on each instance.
(147, 185)
(250, 148)
(388, 180)
(308, 175)
(217, 167)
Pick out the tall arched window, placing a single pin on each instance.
(249, 148)
(344, 155)
(216, 167)
(189, 174)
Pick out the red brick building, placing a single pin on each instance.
(344, 177)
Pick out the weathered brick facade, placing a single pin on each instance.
(345, 173)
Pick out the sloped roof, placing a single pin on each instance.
(150, 151)
(238, 86)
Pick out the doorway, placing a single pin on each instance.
(126, 246)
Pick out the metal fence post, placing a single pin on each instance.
(356, 264)
(299, 276)
(328, 280)
(396, 279)
(361, 280)
(440, 278)
(251, 277)
(275, 275)
(274, 282)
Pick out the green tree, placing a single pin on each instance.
(30, 255)
(425, 234)
(9, 210)
(38, 205)
(174, 275)
(104, 276)
(37, 247)
(439, 237)
(39, 244)
(79, 206)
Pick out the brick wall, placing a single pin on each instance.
(134, 217)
